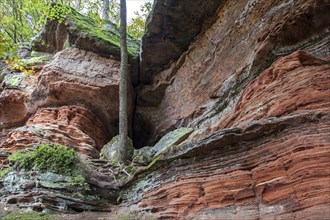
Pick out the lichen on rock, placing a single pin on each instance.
(111, 151)
(171, 139)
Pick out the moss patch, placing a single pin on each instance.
(56, 158)
(59, 166)
(172, 139)
(28, 216)
(35, 60)
(14, 80)
(89, 27)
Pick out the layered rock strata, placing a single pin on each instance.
(252, 90)
(72, 101)
(171, 27)
(269, 156)
(272, 167)
(207, 80)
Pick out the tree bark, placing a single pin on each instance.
(106, 9)
(123, 122)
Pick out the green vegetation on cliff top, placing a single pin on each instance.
(84, 25)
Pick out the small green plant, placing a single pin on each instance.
(79, 181)
(58, 12)
(56, 158)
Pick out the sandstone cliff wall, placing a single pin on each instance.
(242, 40)
(249, 78)
(72, 101)
(255, 87)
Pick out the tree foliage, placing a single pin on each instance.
(136, 26)
(23, 19)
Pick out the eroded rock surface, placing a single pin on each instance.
(207, 81)
(272, 167)
(252, 91)
(258, 99)
(77, 30)
(172, 26)
(72, 101)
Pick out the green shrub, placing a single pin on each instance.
(56, 159)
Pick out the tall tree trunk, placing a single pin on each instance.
(106, 9)
(123, 122)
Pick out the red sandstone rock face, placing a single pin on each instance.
(254, 175)
(74, 103)
(271, 161)
(72, 126)
(296, 83)
(263, 148)
(246, 38)
(13, 111)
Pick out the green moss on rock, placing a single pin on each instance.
(111, 151)
(35, 60)
(154, 161)
(58, 181)
(143, 156)
(87, 27)
(82, 32)
(172, 139)
(14, 80)
(46, 158)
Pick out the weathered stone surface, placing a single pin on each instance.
(73, 100)
(171, 139)
(37, 191)
(171, 28)
(77, 76)
(143, 156)
(81, 32)
(295, 83)
(71, 126)
(13, 111)
(272, 167)
(267, 156)
(245, 38)
(111, 151)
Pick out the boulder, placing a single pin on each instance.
(111, 151)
